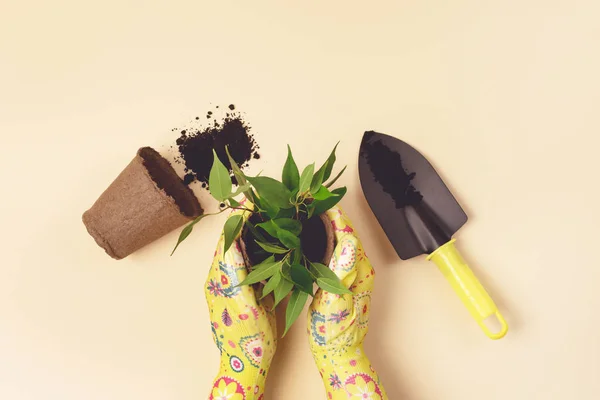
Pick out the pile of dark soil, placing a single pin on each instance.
(196, 145)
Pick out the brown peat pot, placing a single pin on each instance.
(146, 201)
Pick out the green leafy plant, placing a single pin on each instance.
(272, 228)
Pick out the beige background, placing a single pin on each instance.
(502, 96)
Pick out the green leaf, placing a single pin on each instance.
(241, 178)
(333, 286)
(322, 271)
(302, 278)
(310, 209)
(269, 227)
(237, 172)
(219, 182)
(294, 308)
(290, 175)
(255, 232)
(317, 180)
(296, 256)
(263, 271)
(185, 232)
(286, 271)
(306, 179)
(283, 289)
(233, 227)
(234, 203)
(271, 284)
(269, 208)
(331, 182)
(289, 224)
(271, 248)
(324, 205)
(253, 197)
(271, 190)
(268, 260)
(288, 239)
(287, 212)
(328, 165)
(241, 189)
(324, 172)
(322, 194)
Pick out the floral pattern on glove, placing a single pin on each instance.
(243, 328)
(335, 382)
(339, 323)
(236, 364)
(227, 284)
(345, 259)
(338, 317)
(362, 303)
(362, 386)
(317, 327)
(226, 388)
(252, 347)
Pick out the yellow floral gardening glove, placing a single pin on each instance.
(337, 324)
(243, 328)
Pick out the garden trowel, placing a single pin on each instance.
(419, 216)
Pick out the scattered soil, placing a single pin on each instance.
(196, 145)
(188, 178)
(395, 181)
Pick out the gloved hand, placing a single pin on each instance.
(337, 324)
(243, 327)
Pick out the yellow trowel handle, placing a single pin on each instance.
(465, 284)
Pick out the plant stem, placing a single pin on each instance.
(239, 208)
(217, 213)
